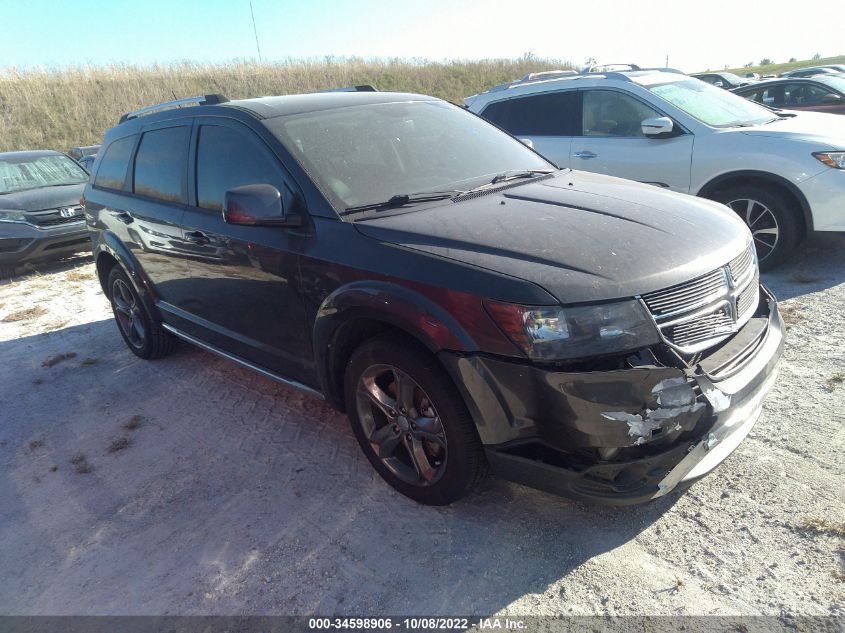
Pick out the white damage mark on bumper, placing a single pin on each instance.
(675, 397)
(712, 450)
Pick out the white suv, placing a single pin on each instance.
(783, 172)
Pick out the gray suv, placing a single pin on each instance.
(40, 212)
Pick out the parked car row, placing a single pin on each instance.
(821, 93)
(732, 81)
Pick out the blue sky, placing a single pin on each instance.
(695, 35)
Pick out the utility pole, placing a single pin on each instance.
(667, 60)
(255, 32)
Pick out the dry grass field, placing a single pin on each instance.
(62, 108)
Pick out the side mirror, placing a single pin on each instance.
(831, 98)
(528, 142)
(718, 83)
(658, 126)
(257, 205)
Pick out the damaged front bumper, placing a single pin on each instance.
(621, 436)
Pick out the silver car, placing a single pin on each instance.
(783, 172)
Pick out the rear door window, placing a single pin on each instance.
(773, 96)
(161, 164)
(549, 114)
(111, 173)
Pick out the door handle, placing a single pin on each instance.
(585, 154)
(197, 237)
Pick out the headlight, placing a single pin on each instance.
(832, 159)
(9, 215)
(556, 333)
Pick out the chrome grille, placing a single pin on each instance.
(53, 217)
(748, 299)
(697, 314)
(702, 328)
(741, 264)
(687, 296)
(60, 220)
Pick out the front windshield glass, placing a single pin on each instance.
(711, 105)
(837, 82)
(366, 154)
(18, 174)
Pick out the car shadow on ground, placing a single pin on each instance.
(234, 494)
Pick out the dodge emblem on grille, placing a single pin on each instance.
(697, 314)
(67, 212)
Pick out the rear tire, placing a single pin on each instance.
(772, 219)
(411, 421)
(143, 336)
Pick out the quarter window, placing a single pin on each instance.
(226, 159)
(550, 114)
(610, 113)
(115, 161)
(160, 164)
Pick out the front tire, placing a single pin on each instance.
(411, 421)
(144, 337)
(772, 220)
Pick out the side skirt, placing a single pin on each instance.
(240, 361)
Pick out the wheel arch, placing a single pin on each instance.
(750, 178)
(112, 252)
(359, 311)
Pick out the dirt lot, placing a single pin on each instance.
(190, 485)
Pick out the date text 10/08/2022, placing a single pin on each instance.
(418, 623)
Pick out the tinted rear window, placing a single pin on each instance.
(161, 164)
(550, 114)
(112, 171)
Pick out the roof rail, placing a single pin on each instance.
(545, 75)
(361, 88)
(603, 68)
(549, 74)
(205, 100)
(665, 69)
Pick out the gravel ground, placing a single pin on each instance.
(192, 486)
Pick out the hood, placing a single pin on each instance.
(43, 198)
(580, 236)
(825, 130)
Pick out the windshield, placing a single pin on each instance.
(33, 172)
(367, 154)
(837, 82)
(711, 105)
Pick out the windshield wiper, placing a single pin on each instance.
(402, 199)
(506, 176)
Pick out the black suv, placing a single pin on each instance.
(467, 304)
